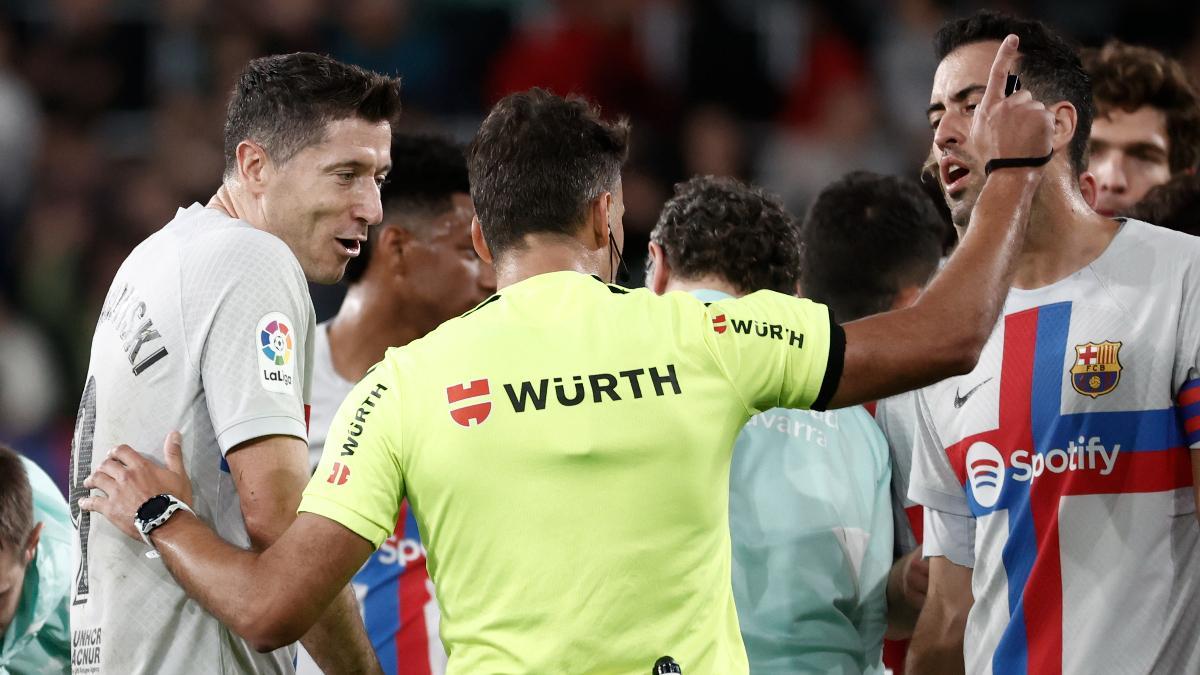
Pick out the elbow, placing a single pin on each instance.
(267, 642)
(267, 630)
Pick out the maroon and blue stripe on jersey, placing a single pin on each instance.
(1077, 456)
(394, 591)
(1189, 408)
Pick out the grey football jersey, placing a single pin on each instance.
(208, 329)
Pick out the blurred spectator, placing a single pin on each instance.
(29, 385)
(1147, 124)
(582, 47)
(901, 58)
(1174, 205)
(385, 36)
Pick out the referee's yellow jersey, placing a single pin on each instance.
(565, 447)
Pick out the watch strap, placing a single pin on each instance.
(146, 527)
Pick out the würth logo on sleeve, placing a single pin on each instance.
(339, 475)
(470, 402)
(719, 324)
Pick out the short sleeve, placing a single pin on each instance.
(778, 350)
(932, 482)
(950, 536)
(359, 482)
(1188, 353)
(895, 416)
(252, 316)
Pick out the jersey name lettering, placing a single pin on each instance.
(126, 313)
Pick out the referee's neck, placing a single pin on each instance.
(543, 254)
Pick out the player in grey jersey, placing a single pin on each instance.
(208, 328)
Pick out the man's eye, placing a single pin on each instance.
(970, 109)
(933, 123)
(345, 176)
(380, 181)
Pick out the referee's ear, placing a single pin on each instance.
(659, 276)
(477, 241)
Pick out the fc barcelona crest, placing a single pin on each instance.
(1097, 369)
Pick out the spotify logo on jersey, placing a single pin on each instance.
(985, 471)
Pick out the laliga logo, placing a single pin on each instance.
(719, 323)
(474, 399)
(985, 468)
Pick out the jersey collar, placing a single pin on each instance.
(709, 295)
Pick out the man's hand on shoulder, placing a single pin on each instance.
(127, 480)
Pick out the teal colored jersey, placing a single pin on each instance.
(811, 524)
(37, 641)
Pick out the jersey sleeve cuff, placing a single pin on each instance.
(275, 425)
(834, 366)
(346, 517)
(940, 501)
(949, 536)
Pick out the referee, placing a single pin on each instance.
(566, 445)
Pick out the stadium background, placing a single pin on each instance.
(111, 110)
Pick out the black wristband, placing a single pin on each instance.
(1015, 163)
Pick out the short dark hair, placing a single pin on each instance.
(16, 501)
(283, 102)
(725, 228)
(1174, 205)
(427, 171)
(536, 163)
(1050, 67)
(1127, 77)
(865, 238)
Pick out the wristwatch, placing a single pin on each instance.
(155, 511)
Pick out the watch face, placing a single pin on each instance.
(153, 508)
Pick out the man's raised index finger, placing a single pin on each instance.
(1006, 58)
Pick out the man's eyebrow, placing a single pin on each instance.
(356, 164)
(1144, 147)
(960, 95)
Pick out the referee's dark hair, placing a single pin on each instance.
(536, 163)
(866, 238)
(1050, 66)
(16, 502)
(427, 171)
(725, 228)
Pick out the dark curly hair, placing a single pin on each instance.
(1174, 205)
(427, 171)
(723, 227)
(865, 238)
(283, 102)
(536, 163)
(1127, 77)
(1050, 67)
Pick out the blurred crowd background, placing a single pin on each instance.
(111, 112)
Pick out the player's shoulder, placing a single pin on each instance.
(212, 238)
(1146, 243)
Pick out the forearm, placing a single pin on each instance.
(901, 613)
(338, 642)
(226, 580)
(936, 648)
(963, 301)
(943, 333)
